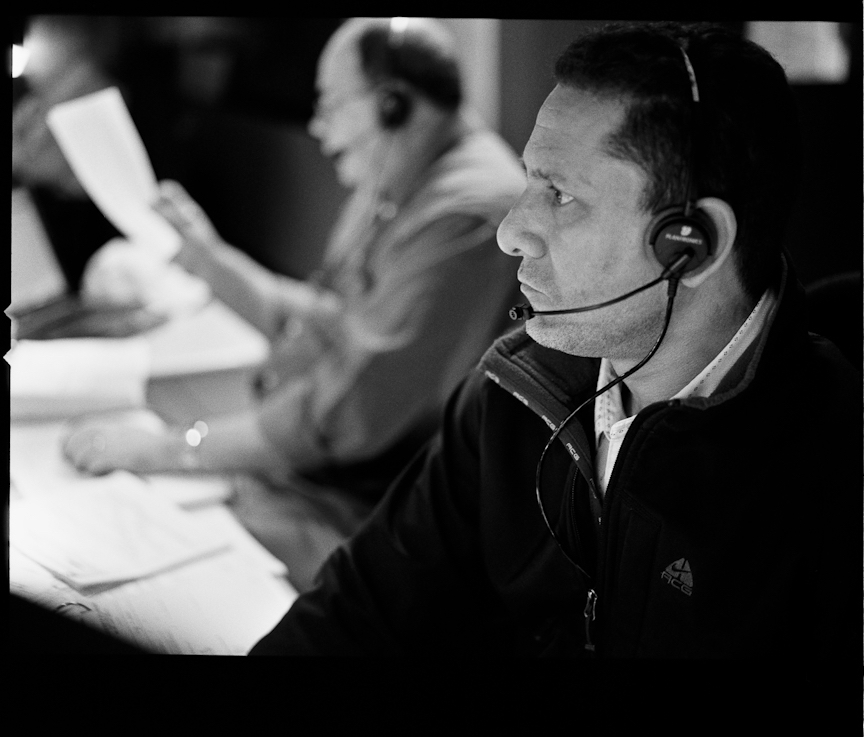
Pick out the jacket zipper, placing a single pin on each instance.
(590, 605)
(591, 601)
(590, 611)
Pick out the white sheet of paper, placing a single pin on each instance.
(36, 462)
(103, 148)
(108, 530)
(61, 378)
(190, 491)
(220, 605)
(219, 517)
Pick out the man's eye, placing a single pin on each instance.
(560, 197)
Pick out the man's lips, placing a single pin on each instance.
(529, 291)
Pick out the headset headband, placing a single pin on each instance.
(396, 34)
(694, 93)
(694, 87)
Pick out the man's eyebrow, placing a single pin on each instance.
(536, 172)
(553, 176)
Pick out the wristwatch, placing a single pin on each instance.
(192, 437)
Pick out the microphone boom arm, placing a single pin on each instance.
(526, 312)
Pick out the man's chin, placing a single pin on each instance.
(560, 337)
(344, 176)
(539, 329)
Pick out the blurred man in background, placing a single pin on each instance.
(412, 291)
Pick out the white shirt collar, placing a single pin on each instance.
(609, 408)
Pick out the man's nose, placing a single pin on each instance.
(516, 236)
(316, 126)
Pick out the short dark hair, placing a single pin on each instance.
(412, 57)
(746, 140)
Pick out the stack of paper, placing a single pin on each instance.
(107, 531)
(63, 378)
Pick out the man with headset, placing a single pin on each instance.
(664, 463)
(412, 291)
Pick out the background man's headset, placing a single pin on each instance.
(682, 237)
(395, 106)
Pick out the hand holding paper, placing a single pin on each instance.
(102, 145)
(100, 141)
(178, 208)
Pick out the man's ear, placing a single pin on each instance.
(726, 227)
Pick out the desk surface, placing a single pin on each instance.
(219, 604)
(213, 338)
(203, 364)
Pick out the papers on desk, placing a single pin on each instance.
(220, 604)
(103, 148)
(62, 378)
(217, 603)
(108, 530)
(189, 491)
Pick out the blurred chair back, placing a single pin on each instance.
(265, 185)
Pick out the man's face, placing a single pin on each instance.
(346, 120)
(579, 229)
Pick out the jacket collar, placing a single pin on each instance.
(549, 382)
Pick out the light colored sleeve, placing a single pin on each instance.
(265, 299)
(399, 352)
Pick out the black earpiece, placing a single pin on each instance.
(673, 231)
(395, 105)
(394, 109)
